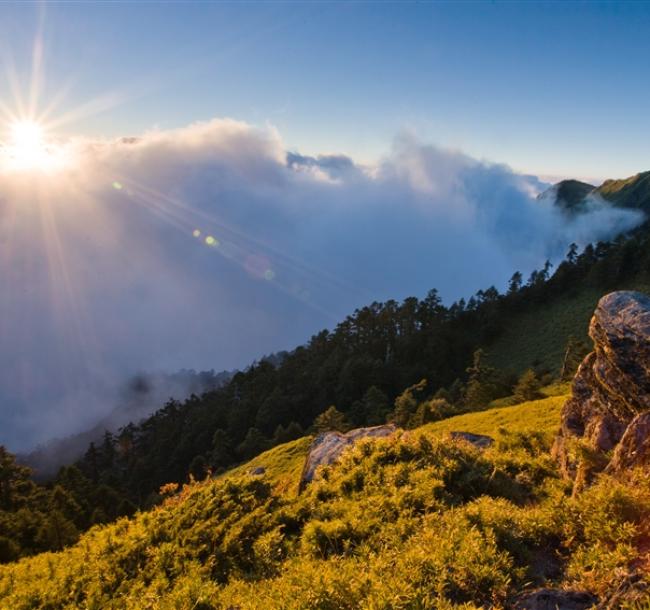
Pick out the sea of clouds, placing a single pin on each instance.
(212, 245)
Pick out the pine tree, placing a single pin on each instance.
(331, 419)
(406, 404)
(290, 433)
(254, 443)
(527, 387)
(222, 453)
(15, 480)
(57, 532)
(431, 410)
(483, 385)
(572, 254)
(375, 406)
(515, 282)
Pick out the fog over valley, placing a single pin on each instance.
(208, 246)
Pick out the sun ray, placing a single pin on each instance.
(93, 107)
(14, 85)
(238, 247)
(67, 296)
(56, 99)
(38, 73)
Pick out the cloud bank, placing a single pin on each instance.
(209, 246)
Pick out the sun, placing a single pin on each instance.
(27, 136)
(27, 148)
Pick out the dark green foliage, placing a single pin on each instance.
(198, 468)
(290, 433)
(222, 453)
(528, 387)
(254, 443)
(432, 410)
(406, 404)
(35, 518)
(15, 482)
(331, 419)
(514, 285)
(484, 383)
(574, 354)
(56, 531)
(371, 410)
(9, 549)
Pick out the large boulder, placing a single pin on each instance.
(328, 446)
(610, 389)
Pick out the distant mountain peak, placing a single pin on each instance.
(573, 191)
(569, 195)
(632, 193)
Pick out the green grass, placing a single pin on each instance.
(537, 339)
(282, 464)
(534, 416)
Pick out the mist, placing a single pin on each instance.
(209, 246)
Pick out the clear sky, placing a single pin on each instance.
(549, 88)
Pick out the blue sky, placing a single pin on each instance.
(549, 88)
(197, 245)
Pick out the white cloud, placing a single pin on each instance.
(104, 276)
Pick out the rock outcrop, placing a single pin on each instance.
(610, 401)
(555, 599)
(482, 441)
(328, 446)
(634, 448)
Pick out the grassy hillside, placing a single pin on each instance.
(633, 192)
(537, 337)
(282, 465)
(538, 416)
(411, 522)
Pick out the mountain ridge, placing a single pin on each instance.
(628, 193)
